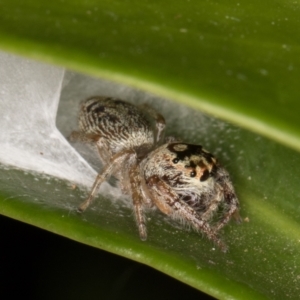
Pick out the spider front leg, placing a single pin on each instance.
(168, 201)
(230, 201)
(115, 162)
(232, 211)
(213, 206)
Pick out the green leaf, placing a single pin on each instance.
(239, 61)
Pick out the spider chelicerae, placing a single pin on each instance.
(182, 180)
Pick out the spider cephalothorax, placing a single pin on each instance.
(183, 180)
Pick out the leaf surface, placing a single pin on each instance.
(239, 61)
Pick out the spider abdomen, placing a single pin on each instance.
(119, 124)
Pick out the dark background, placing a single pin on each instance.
(36, 264)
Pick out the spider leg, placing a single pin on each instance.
(160, 122)
(78, 136)
(169, 203)
(137, 198)
(115, 162)
(92, 139)
(231, 205)
(213, 206)
(103, 150)
(232, 212)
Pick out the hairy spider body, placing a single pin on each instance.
(117, 125)
(182, 180)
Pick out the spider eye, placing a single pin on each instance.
(205, 175)
(175, 160)
(193, 174)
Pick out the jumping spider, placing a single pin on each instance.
(183, 180)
